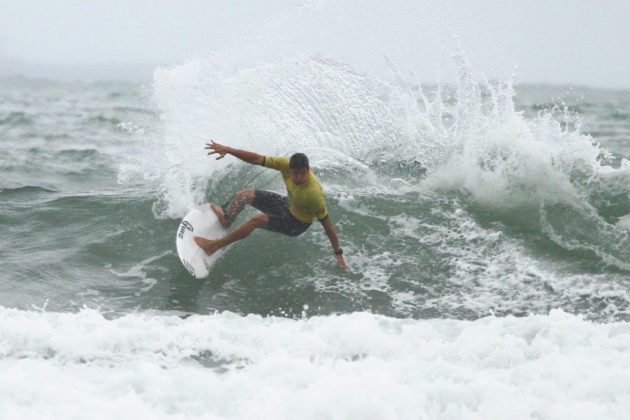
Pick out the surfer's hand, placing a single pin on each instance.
(341, 262)
(217, 149)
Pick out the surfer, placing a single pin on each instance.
(291, 215)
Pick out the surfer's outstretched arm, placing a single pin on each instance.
(244, 155)
(334, 241)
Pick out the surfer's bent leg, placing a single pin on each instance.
(232, 208)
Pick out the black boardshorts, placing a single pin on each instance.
(276, 207)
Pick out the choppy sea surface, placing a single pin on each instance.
(486, 226)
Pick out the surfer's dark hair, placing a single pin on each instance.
(298, 161)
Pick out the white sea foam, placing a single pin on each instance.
(546, 166)
(224, 366)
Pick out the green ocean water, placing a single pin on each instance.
(452, 202)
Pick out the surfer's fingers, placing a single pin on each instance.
(216, 152)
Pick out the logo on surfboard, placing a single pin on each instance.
(183, 228)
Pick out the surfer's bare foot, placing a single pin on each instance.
(220, 215)
(210, 247)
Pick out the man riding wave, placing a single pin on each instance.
(291, 215)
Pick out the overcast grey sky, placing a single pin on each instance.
(577, 42)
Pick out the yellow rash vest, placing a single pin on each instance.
(306, 201)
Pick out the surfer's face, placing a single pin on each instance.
(298, 176)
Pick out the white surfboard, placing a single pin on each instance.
(200, 221)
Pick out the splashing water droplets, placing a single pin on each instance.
(468, 139)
